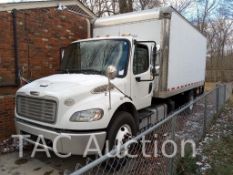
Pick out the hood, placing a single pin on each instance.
(64, 84)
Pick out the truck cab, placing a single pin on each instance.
(79, 101)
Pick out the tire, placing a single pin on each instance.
(171, 106)
(202, 90)
(121, 120)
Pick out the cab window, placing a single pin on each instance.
(141, 59)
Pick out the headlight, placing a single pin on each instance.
(87, 115)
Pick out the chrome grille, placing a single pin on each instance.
(38, 109)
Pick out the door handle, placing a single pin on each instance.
(150, 88)
(138, 79)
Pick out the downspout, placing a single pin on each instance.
(89, 28)
(92, 22)
(89, 23)
(16, 53)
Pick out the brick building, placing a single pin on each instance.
(31, 35)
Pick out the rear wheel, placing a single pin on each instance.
(202, 90)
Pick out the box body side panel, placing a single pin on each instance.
(187, 55)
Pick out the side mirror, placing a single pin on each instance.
(154, 71)
(111, 72)
(157, 70)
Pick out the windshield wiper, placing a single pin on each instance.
(70, 70)
(85, 71)
(91, 71)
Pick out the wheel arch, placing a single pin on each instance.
(127, 107)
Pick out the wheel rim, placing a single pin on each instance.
(123, 134)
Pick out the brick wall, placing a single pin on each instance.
(7, 127)
(41, 34)
(6, 49)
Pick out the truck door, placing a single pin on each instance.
(141, 91)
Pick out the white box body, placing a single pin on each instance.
(182, 56)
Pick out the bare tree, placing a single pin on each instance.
(224, 29)
(180, 5)
(111, 7)
(102, 7)
(219, 31)
(146, 4)
(125, 6)
(204, 9)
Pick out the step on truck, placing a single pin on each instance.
(135, 69)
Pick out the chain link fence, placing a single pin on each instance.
(158, 149)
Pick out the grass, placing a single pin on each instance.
(187, 165)
(220, 153)
(219, 150)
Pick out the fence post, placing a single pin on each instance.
(171, 160)
(225, 92)
(217, 97)
(205, 117)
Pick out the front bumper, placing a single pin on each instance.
(76, 145)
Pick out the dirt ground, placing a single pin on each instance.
(209, 86)
(11, 164)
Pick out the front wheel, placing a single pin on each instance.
(121, 129)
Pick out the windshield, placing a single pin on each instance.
(95, 56)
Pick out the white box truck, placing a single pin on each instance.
(135, 68)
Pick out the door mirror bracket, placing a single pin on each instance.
(138, 79)
(154, 72)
